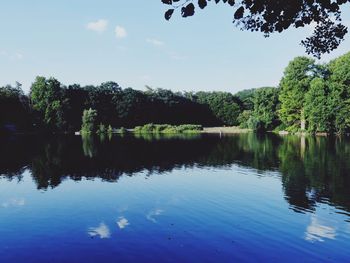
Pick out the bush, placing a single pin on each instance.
(166, 128)
(243, 119)
(101, 129)
(122, 130)
(89, 121)
(110, 129)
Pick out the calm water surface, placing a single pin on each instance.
(239, 198)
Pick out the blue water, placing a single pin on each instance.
(215, 207)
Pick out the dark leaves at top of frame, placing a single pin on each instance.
(168, 14)
(167, 2)
(202, 3)
(187, 10)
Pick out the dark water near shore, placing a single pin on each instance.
(199, 198)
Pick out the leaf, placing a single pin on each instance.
(239, 13)
(202, 3)
(167, 2)
(168, 14)
(187, 10)
(231, 2)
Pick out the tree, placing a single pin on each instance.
(14, 107)
(225, 106)
(269, 16)
(243, 119)
(294, 85)
(46, 99)
(317, 111)
(264, 116)
(246, 96)
(339, 82)
(89, 121)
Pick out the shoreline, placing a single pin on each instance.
(205, 130)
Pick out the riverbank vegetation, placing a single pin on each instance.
(166, 128)
(311, 98)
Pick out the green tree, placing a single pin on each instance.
(243, 118)
(89, 121)
(14, 107)
(264, 116)
(246, 96)
(46, 99)
(317, 111)
(225, 106)
(339, 82)
(294, 85)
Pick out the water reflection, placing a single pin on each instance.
(319, 231)
(122, 222)
(102, 231)
(151, 216)
(312, 170)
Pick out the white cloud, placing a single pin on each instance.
(98, 26)
(122, 222)
(120, 32)
(102, 231)
(155, 42)
(13, 202)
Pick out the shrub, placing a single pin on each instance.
(167, 128)
(89, 121)
(101, 129)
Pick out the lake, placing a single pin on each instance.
(195, 198)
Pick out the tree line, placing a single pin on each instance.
(311, 97)
(52, 106)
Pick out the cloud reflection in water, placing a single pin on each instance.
(318, 232)
(102, 231)
(122, 222)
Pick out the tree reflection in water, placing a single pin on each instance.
(312, 169)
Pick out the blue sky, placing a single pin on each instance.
(89, 42)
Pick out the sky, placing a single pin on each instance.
(130, 42)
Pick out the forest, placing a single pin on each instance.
(311, 97)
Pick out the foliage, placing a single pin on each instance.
(310, 96)
(339, 82)
(47, 101)
(246, 97)
(122, 130)
(264, 116)
(276, 16)
(101, 129)
(316, 107)
(294, 85)
(225, 106)
(89, 121)
(166, 128)
(109, 129)
(243, 118)
(14, 107)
